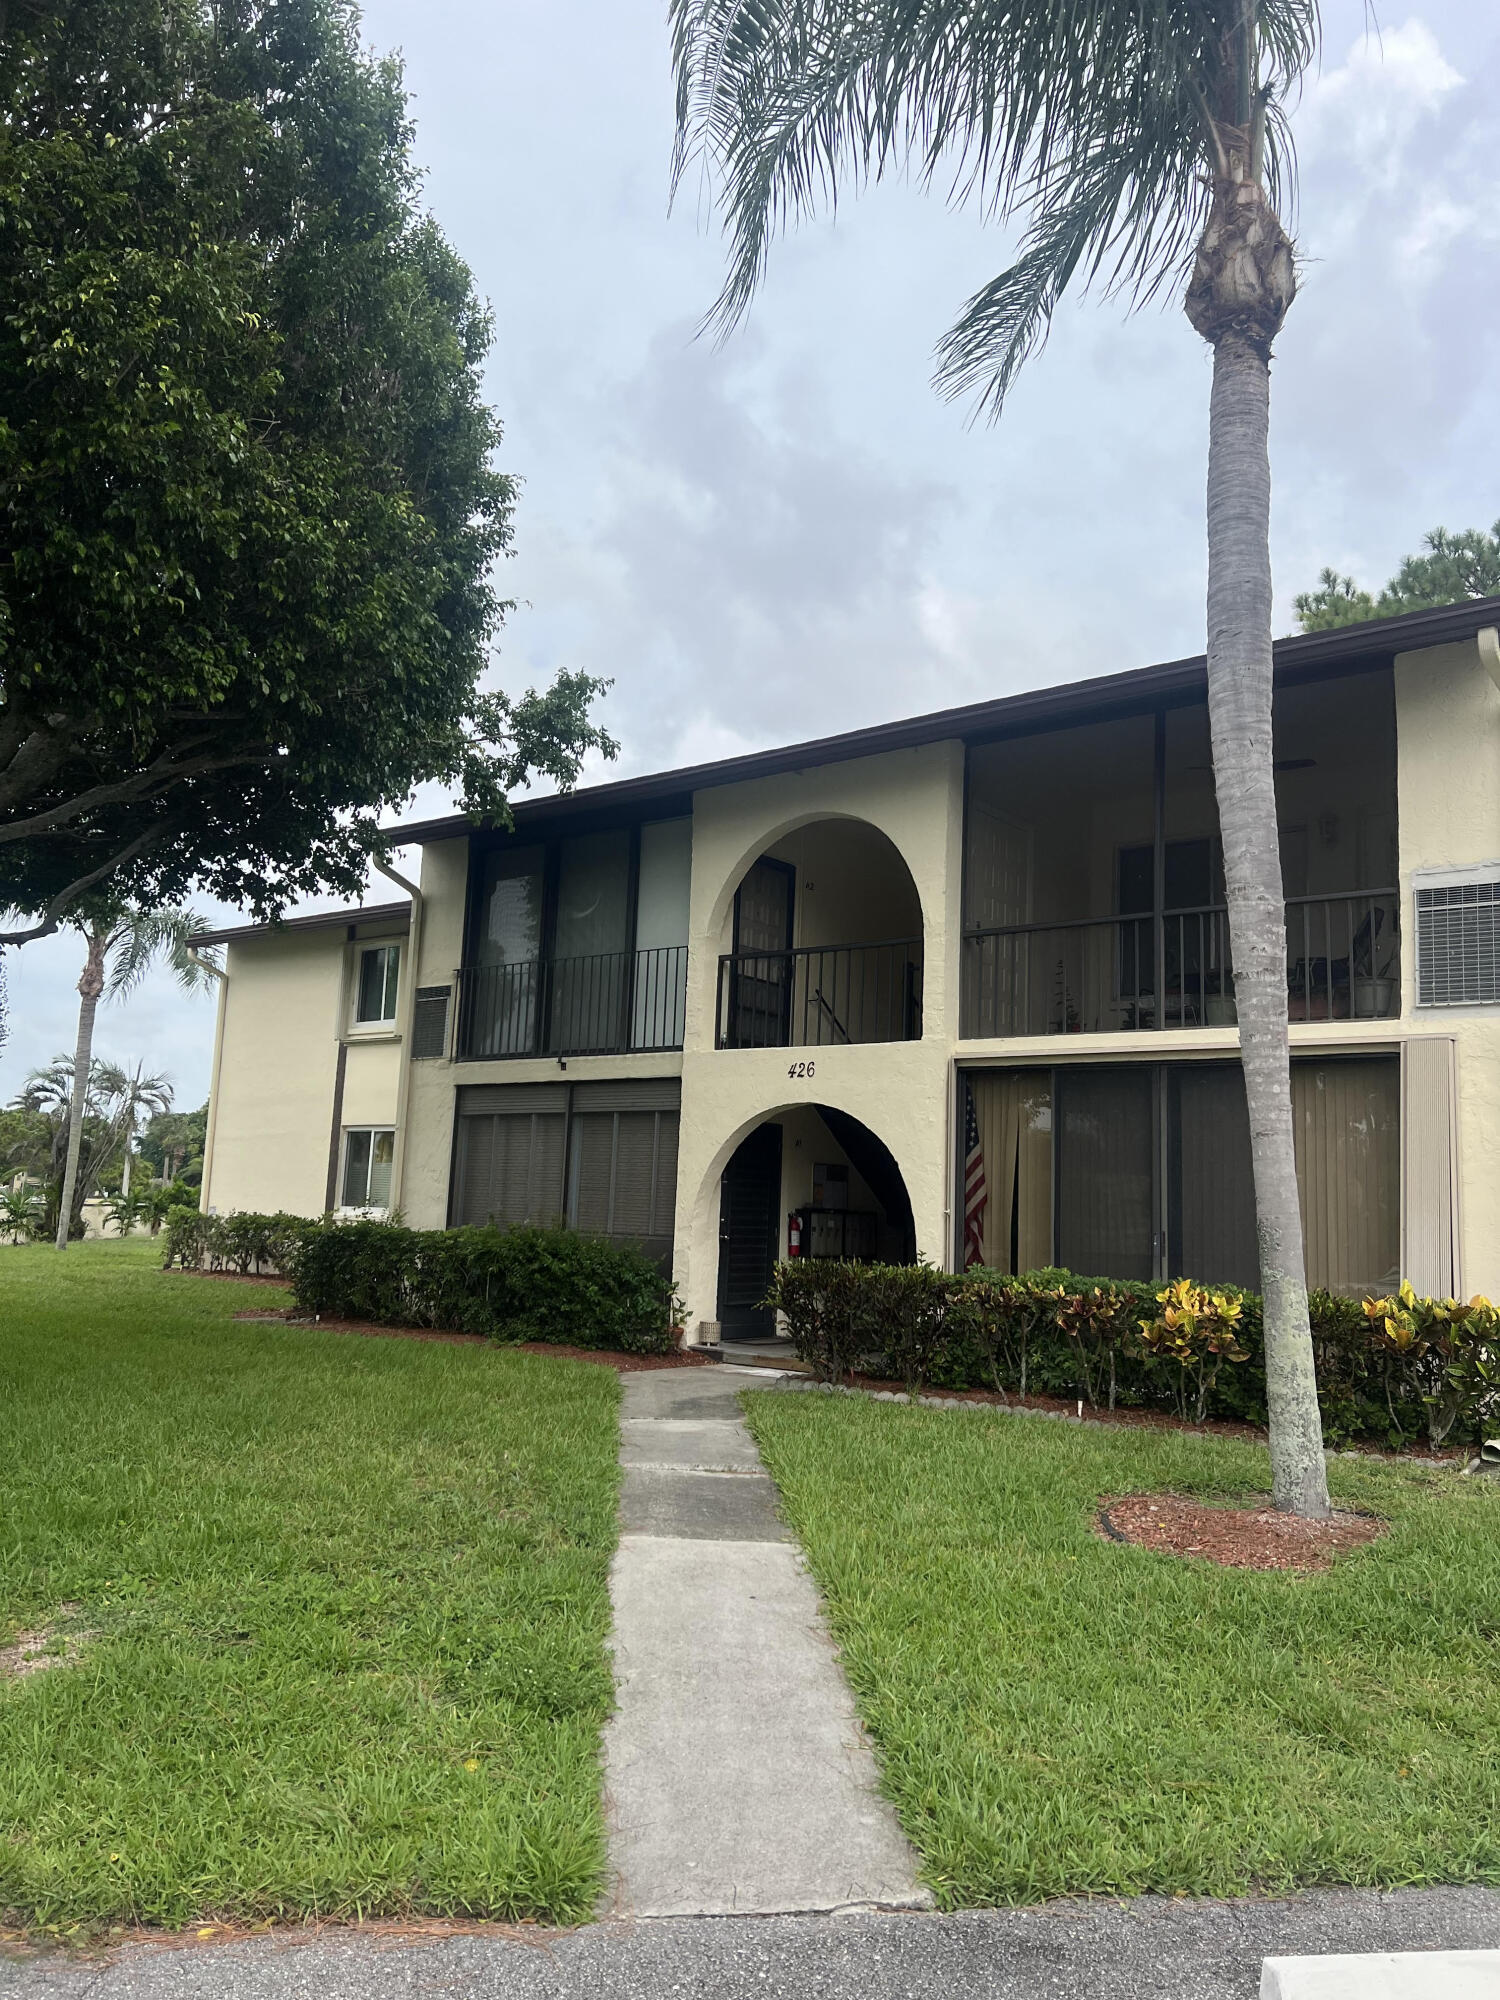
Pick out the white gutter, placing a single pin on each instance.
(212, 1128)
(408, 1016)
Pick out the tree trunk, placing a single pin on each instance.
(90, 986)
(1239, 704)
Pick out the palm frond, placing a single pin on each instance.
(1092, 121)
(143, 937)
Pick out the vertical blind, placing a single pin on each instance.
(1347, 1119)
(601, 1157)
(1106, 1178)
(1093, 1142)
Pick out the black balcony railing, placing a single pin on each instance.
(606, 1004)
(1174, 969)
(821, 994)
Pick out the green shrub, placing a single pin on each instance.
(244, 1242)
(1391, 1370)
(508, 1284)
(1193, 1332)
(1447, 1351)
(817, 1299)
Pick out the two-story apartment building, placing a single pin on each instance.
(716, 1009)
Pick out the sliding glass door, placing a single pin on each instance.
(1210, 1188)
(1143, 1171)
(1106, 1171)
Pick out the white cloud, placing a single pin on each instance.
(1369, 107)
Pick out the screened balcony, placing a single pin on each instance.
(1094, 881)
(577, 946)
(610, 1003)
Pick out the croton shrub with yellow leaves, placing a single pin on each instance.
(1398, 1370)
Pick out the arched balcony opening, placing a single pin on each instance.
(824, 943)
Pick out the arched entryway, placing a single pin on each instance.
(817, 1168)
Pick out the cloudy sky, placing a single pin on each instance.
(791, 534)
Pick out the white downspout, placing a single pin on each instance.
(408, 1016)
(212, 1129)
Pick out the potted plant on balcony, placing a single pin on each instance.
(1373, 971)
(1219, 1008)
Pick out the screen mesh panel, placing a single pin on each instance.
(429, 1023)
(1458, 945)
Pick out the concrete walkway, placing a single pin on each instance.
(737, 1778)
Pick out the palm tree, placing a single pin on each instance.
(114, 1101)
(1141, 143)
(20, 1211)
(122, 945)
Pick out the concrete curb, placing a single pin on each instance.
(1383, 1975)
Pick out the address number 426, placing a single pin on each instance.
(803, 1069)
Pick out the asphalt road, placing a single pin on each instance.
(1147, 1950)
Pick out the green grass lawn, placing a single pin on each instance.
(1057, 1714)
(348, 1600)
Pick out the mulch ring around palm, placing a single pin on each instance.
(1236, 1537)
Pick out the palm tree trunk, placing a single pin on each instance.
(90, 986)
(1239, 704)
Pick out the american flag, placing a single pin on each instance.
(976, 1194)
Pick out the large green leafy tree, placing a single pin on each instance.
(172, 1144)
(250, 503)
(1142, 144)
(1453, 568)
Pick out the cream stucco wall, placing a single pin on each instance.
(428, 1152)
(1448, 761)
(285, 1011)
(900, 1090)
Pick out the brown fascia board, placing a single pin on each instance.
(1306, 657)
(371, 913)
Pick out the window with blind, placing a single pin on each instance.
(601, 1157)
(510, 1154)
(622, 1163)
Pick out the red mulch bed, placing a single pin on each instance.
(626, 1363)
(1235, 1537)
(232, 1277)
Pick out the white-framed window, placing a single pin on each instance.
(368, 1153)
(378, 977)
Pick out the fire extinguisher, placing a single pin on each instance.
(794, 1234)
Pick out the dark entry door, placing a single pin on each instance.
(749, 1234)
(762, 961)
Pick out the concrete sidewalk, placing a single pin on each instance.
(737, 1777)
(1147, 1950)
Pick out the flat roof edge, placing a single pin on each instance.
(370, 913)
(1348, 648)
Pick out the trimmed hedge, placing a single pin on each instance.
(1394, 1370)
(245, 1243)
(508, 1284)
